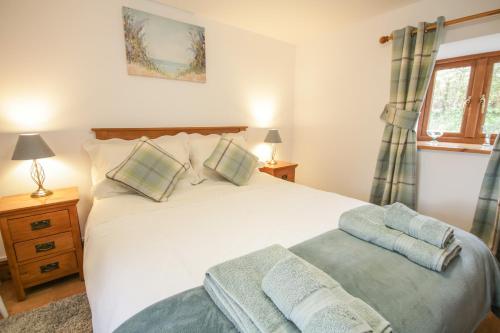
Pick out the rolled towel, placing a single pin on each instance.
(366, 223)
(398, 216)
(315, 302)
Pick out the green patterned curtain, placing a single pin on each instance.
(413, 59)
(485, 225)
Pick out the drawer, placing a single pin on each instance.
(40, 225)
(43, 246)
(48, 269)
(285, 174)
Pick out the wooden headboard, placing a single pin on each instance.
(154, 132)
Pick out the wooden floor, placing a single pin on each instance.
(40, 295)
(55, 290)
(490, 325)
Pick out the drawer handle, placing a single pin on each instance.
(37, 225)
(49, 267)
(285, 177)
(45, 246)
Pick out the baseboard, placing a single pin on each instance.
(4, 270)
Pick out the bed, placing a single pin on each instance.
(138, 252)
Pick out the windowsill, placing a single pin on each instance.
(455, 147)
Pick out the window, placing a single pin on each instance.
(463, 100)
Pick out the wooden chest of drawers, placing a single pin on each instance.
(41, 237)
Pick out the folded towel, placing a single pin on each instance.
(315, 302)
(235, 287)
(366, 223)
(399, 217)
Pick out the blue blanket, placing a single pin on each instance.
(412, 298)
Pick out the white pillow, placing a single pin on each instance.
(107, 154)
(200, 149)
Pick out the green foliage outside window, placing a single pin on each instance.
(448, 99)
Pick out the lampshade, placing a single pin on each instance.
(273, 136)
(31, 147)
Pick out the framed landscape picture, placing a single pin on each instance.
(163, 48)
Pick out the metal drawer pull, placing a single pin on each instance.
(49, 267)
(37, 225)
(45, 246)
(285, 177)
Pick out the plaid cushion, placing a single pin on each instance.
(149, 170)
(232, 161)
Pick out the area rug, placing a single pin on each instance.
(71, 314)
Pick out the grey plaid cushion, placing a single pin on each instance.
(149, 170)
(232, 161)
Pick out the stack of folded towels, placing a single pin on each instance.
(422, 239)
(273, 290)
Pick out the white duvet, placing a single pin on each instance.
(138, 252)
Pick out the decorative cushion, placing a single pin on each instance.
(107, 154)
(232, 161)
(149, 170)
(200, 149)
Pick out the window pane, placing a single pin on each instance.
(492, 118)
(448, 98)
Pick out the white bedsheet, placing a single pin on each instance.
(138, 252)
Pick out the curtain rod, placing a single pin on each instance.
(432, 26)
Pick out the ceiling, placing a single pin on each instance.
(292, 21)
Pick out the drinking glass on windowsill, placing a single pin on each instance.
(489, 129)
(487, 139)
(434, 134)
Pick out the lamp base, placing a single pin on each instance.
(38, 176)
(273, 156)
(40, 193)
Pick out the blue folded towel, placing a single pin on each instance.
(398, 216)
(235, 287)
(366, 223)
(315, 302)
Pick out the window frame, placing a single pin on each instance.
(480, 80)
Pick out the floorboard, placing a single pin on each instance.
(40, 295)
(490, 324)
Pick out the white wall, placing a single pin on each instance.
(342, 85)
(481, 44)
(449, 185)
(63, 71)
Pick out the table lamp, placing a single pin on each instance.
(273, 137)
(33, 147)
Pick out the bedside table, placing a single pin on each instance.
(283, 170)
(41, 237)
